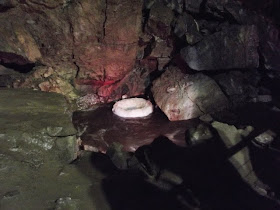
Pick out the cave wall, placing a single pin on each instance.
(98, 51)
(76, 45)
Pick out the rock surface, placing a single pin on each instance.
(181, 96)
(233, 47)
(87, 39)
(36, 126)
(239, 86)
(86, 47)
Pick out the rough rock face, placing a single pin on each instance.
(158, 27)
(267, 30)
(88, 47)
(36, 126)
(193, 5)
(270, 44)
(106, 51)
(186, 25)
(181, 96)
(233, 47)
(97, 41)
(239, 86)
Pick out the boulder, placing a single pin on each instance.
(233, 47)
(185, 96)
(36, 126)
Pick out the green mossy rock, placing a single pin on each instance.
(36, 126)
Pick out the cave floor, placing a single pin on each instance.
(204, 168)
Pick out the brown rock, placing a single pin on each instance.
(234, 47)
(159, 21)
(182, 97)
(109, 53)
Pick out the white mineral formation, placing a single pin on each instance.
(132, 108)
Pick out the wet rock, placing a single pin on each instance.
(181, 96)
(36, 126)
(234, 47)
(198, 134)
(187, 25)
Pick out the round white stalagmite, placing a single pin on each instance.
(132, 108)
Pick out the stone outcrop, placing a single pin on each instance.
(233, 47)
(36, 126)
(185, 96)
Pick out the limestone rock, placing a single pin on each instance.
(57, 79)
(162, 51)
(159, 21)
(90, 37)
(267, 30)
(187, 25)
(67, 203)
(234, 47)
(104, 50)
(229, 134)
(181, 96)
(36, 126)
(239, 86)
